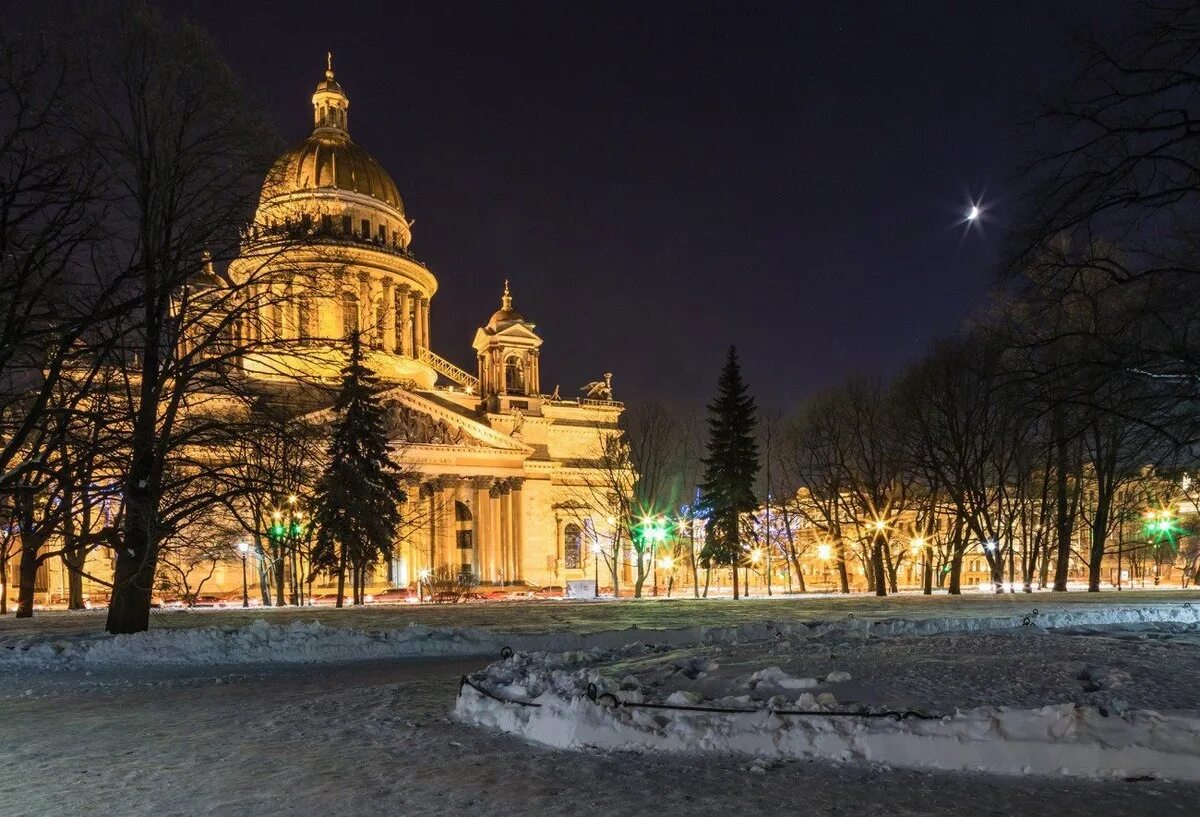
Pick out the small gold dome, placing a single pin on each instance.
(505, 315)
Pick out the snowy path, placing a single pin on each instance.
(376, 738)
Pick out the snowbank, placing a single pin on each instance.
(312, 642)
(614, 701)
(1060, 739)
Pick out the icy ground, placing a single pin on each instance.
(377, 739)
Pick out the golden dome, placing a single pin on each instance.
(329, 160)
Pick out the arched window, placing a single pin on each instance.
(305, 330)
(514, 375)
(572, 547)
(349, 314)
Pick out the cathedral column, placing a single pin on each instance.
(364, 306)
(505, 532)
(534, 384)
(430, 556)
(479, 510)
(449, 524)
(403, 339)
(493, 525)
(425, 311)
(389, 315)
(516, 511)
(417, 321)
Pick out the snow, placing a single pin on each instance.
(1097, 699)
(375, 738)
(215, 714)
(314, 641)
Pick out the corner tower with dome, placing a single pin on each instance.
(509, 481)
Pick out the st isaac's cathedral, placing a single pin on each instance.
(507, 474)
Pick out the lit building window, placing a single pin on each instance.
(572, 547)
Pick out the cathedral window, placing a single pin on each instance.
(276, 320)
(347, 225)
(366, 229)
(514, 375)
(326, 224)
(572, 547)
(349, 314)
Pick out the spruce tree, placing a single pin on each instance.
(730, 467)
(356, 510)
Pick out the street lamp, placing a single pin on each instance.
(596, 566)
(244, 547)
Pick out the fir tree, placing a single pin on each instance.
(731, 464)
(356, 510)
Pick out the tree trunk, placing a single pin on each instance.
(843, 573)
(74, 561)
(641, 574)
(877, 565)
(264, 579)
(1099, 539)
(695, 562)
(137, 558)
(31, 544)
(278, 561)
(341, 577)
(735, 580)
(1062, 520)
(927, 572)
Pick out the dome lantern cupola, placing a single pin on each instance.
(330, 103)
(508, 351)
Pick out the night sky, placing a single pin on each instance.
(662, 179)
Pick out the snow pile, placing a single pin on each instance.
(618, 701)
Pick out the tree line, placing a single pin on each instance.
(1057, 428)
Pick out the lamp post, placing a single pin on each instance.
(596, 566)
(244, 547)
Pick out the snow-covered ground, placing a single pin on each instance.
(1076, 693)
(338, 713)
(377, 738)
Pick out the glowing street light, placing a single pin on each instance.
(244, 547)
(824, 551)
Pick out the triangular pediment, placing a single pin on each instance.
(414, 420)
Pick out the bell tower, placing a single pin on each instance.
(508, 349)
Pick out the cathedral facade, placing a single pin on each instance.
(507, 475)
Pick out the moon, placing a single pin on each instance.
(973, 213)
